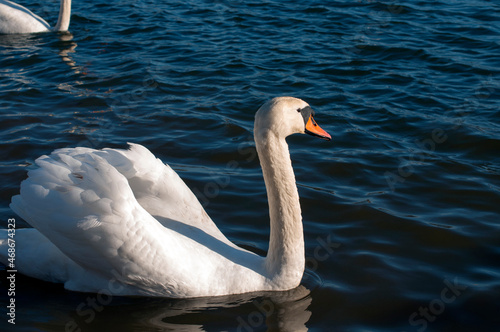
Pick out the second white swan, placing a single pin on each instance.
(123, 222)
(15, 18)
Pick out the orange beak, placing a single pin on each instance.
(312, 128)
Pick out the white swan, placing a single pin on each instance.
(122, 222)
(15, 18)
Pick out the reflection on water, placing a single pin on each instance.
(283, 311)
(68, 47)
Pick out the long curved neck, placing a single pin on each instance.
(64, 16)
(285, 259)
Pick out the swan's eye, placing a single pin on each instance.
(298, 110)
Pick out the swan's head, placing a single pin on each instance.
(284, 116)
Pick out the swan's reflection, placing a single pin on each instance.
(12, 45)
(283, 311)
(17, 41)
(276, 311)
(68, 47)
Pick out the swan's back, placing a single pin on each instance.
(156, 186)
(123, 215)
(15, 18)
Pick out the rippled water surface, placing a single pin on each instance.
(401, 209)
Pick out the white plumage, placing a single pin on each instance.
(15, 18)
(124, 222)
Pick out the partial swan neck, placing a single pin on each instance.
(64, 16)
(285, 259)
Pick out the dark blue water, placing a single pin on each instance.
(401, 210)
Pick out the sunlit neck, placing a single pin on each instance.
(64, 16)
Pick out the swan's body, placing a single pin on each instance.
(15, 18)
(122, 222)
